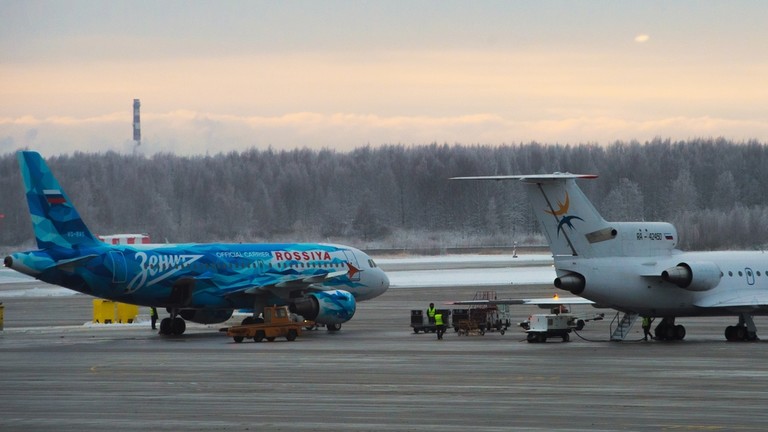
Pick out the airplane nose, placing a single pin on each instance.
(384, 282)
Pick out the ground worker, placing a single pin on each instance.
(647, 328)
(431, 313)
(153, 316)
(439, 325)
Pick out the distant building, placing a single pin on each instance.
(125, 239)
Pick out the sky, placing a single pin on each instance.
(218, 76)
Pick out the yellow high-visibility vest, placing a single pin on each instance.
(438, 319)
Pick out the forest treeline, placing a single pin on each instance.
(397, 196)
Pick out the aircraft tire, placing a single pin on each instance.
(165, 326)
(248, 320)
(667, 332)
(333, 327)
(178, 326)
(679, 332)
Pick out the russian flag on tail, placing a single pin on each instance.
(54, 196)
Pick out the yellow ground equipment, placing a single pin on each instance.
(276, 323)
(108, 312)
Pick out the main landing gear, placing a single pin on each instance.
(744, 331)
(667, 330)
(174, 325)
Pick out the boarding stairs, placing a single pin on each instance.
(623, 325)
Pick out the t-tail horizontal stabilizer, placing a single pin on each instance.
(570, 221)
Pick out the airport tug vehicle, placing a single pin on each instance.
(276, 322)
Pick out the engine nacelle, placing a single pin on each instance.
(326, 307)
(701, 276)
(206, 316)
(572, 282)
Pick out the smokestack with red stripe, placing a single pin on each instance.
(136, 122)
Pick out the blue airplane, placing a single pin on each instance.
(202, 283)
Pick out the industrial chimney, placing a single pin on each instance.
(136, 122)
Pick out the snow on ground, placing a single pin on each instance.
(428, 260)
(11, 276)
(505, 269)
(37, 291)
(472, 277)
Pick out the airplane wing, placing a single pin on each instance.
(542, 302)
(736, 299)
(282, 284)
(294, 282)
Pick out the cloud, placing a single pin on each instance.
(642, 38)
(188, 132)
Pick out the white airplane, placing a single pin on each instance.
(634, 267)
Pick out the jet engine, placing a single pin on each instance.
(701, 276)
(326, 307)
(206, 316)
(572, 282)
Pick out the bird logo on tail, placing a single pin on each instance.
(562, 209)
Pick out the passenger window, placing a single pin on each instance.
(730, 273)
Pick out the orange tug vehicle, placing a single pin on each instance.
(276, 323)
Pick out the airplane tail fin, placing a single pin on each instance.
(571, 223)
(55, 220)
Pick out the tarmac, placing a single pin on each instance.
(58, 372)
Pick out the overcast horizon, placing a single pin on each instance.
(221, 76)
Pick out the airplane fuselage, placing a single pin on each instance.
(636, 283)
(147, 274)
